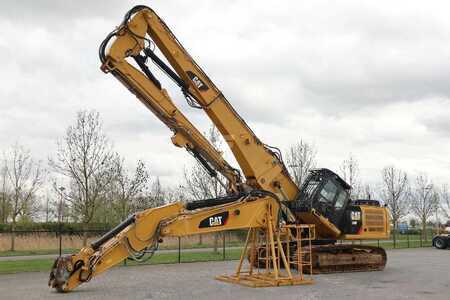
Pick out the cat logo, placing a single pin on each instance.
(219, 219)
(215, 221)
(197, 81)
(356, 215)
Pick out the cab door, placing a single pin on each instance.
(326, 199)
(340, 206)
(332, 201)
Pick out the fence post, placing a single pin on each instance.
(407, 237)
(179, 250)
(223, 245)
(125, 260)
(11, 240)
(394, 239)
(421, 238)
(378, 242)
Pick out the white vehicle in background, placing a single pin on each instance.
(442, 241)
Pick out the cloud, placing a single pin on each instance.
(369, 78)
(56, 13)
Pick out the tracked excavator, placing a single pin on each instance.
(261, 196)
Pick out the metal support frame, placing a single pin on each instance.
(280, 267)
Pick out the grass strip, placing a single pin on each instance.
(75, 250)
(17, 266)
(36, 265)
(36, 252)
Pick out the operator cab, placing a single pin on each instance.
(326, 193)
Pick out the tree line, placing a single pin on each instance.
(86, 181)
(416, 197)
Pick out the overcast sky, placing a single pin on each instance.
(369, 78)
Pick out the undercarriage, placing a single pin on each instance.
(339, 258)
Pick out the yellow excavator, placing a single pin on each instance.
(285, 218)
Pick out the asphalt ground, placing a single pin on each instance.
(422, 273)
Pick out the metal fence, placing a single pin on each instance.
(224, 246)
(178, 249)
(402, 239)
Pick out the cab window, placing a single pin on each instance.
(340, 202)
(328, 192)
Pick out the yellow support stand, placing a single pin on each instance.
(280, 267)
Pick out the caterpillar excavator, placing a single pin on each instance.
(259, 195)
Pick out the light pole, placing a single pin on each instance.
(60, 217)
(438, 220)
(428, 190)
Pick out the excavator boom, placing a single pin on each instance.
(262, 165)
(149, 91)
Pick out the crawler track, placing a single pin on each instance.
(341, 258)
(347, 258)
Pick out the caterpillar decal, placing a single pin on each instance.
(214, 220)
(197, 81)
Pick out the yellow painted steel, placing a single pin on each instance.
(186, 135)
(324, 228)
(375, 224)
(172, 220)
(261, 167)
(280, 269)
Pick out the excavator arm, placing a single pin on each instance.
(141, 233)
(148, 90)
(142, 28)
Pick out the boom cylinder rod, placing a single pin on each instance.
(141, 63)
(110, 234)
(166, 68)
